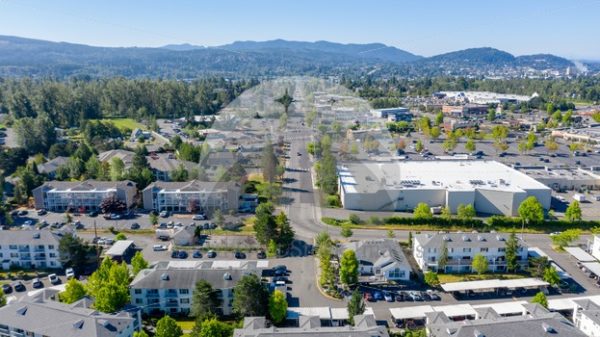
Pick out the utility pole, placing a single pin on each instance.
(96, 239)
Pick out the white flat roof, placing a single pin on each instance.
(493, 284)
(594, 267)
(580, 254)
(560, 304)
(504, 308)
(468, 175)
(119, 247)
(456, 310)
(323, 312)
(416, 312)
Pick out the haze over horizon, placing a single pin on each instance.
(554, 26)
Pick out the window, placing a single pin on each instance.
(184, 291)
(12, 247)
(185, 301)
(501, 250)
(432, 259)
(483, 250)
(50, 246)
(466, 250)
(137, 291)
(139, 301)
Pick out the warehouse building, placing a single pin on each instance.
(492, 187)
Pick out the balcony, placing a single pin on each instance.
(152, 295)
(170, 294)
(172, 304)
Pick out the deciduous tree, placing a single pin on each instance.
(356, 305)
(74, 291)
(480, 264)
(348, 268)
(277, 306)
(168, 327)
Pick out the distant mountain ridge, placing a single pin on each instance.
(30, 57)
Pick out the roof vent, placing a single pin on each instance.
(451, 331)
(164, 277)
(446, 238)
(499, 238)
(547, 328)
(78, 324)
(465, 238)
(36, 235)
(227, 277)
(22, 311)
(480, 238)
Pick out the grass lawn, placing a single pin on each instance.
(449, 278)
(186, 325)
(125, 123)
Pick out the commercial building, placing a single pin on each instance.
(36, 316)
(484, 97)
(379, 260)
(29, 249)
(491, 187)
(462, 247)
(465, 111)
(191, 196)
(589, 134)
(537, 322)
(168, 286)
(82, 196)
(393, 114)
(364, 326)
(562, 179)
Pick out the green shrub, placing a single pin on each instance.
(332, 200)
(354, 219)
(375, 220)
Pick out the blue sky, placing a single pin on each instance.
(568, 28)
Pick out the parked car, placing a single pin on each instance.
(174, 254)
(211, 254)
(434, 296)
(197, 254)
(415, 296)
(163, 214)
(22, 212)
(92, 214)
(42, 212)
(400, 297)
(7, 288)
(135, 225)
(69, 273)
(280, 279)
(19, 286)
(377, 296)
(53, 279)
(182, 254)
(261, 255)
(159, 248)
(368, 297)
(36, 283)
(389, 297)
(199, 216)
(239, 255)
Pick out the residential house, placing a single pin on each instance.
(462, 247)
(49, 168)
(191, 196)
(82, 196)
(181, 235)
(364, 326)
(382, 259)
(36, 316)
(138, 133)
(29, 249)
(537, 322)
(168, 286)
(124, 155)
(162, 164)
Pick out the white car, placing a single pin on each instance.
(53, 279)
(159, 248)
(69, 273)
(199, 217)
(163, 214)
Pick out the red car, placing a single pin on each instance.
(368, 297)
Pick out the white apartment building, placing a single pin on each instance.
(82, 196)
(462, 247)
(29, 249)
(36, 316)
(595, 247)
(586, 317)
(169, 285)
(191, 196)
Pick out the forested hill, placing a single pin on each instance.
(37, 58)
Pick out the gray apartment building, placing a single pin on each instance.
(29, 249)
(191, 196)
(82, 196)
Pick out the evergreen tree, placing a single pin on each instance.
(356, 306)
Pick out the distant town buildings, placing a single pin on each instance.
(492, 187)
(590, 134)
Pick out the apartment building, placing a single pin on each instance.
(29, 249)
(191, 196)
(586, 317)
(310, 326)
(169, 285)
(462, 247)
(380, 259)
(82, 196)
(36, 316)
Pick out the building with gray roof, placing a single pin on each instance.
(49, 168)
(491, 187)
(191, 196)
(537, 322)
(29, 249)
(381, 259)
(36, 316)
(310, 326)
(586, 316)
(168, 286)
(462, 247)
(82, 196)
(163, 164)
(124, 155)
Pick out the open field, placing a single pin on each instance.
(124, 123)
